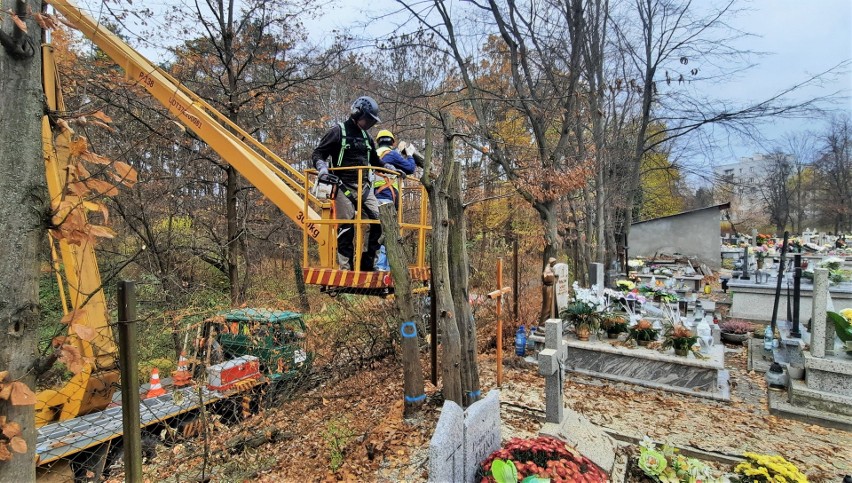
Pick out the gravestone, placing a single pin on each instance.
(463, 438)
(551, 365)
(596, 276)
(481, 432)
(562, 287)
(446, 448)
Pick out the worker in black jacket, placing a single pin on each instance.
(348, 145)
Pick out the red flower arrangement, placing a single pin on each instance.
(546, 457)
(765, 239)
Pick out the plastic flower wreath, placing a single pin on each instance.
(635, 263)
(667, 465)
(652, 462)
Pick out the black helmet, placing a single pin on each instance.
(364, 105)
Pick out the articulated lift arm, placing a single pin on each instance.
(92, 388)
(276, 179)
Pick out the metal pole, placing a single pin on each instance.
(129, 364)
(778, 285)
(797, 292)
(500, 324)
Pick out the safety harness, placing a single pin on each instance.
(344, 144)
(385, 182)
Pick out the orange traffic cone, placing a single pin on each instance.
(181, 377)
(155, 388)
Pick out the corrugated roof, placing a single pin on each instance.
(723, 206)
(266, 315)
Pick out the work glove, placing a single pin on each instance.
(322, 168)
(394, 170)
(410, 150)
(401, 146)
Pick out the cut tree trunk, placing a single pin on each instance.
(397, 258)
(458, 265)
(441, 290)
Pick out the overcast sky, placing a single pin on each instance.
(800, 38)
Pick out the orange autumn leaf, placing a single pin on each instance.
(10, 430)
(71, 357)
(5, 391)
(84, 331)
(124, 173)
(95, 158)
(103, 125)
(79, 170)
(3, 376)
(102, 187)
(18, 445)
(22, 395)
(78, 188)
(18, 22)
(103, 117)
(5, 455)
(45, 21)
(105, 213)
(74, 316)
(101, 231)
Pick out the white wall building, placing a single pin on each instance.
(740, 183)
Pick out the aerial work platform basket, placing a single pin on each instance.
(321, 266)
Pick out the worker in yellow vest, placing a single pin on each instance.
(386, 186)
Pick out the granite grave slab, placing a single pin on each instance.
(463, 438)
(688, 375)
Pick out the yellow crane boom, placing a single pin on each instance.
(276, 179)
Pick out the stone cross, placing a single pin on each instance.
(822, 331)
(596, 276)
(551, 365)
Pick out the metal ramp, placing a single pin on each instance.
(65, 438)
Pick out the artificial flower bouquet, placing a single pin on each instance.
(667, 465)
(679, 338)
(643, 331)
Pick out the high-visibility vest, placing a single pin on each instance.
(378, 183)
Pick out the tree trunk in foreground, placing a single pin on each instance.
(22, 202)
